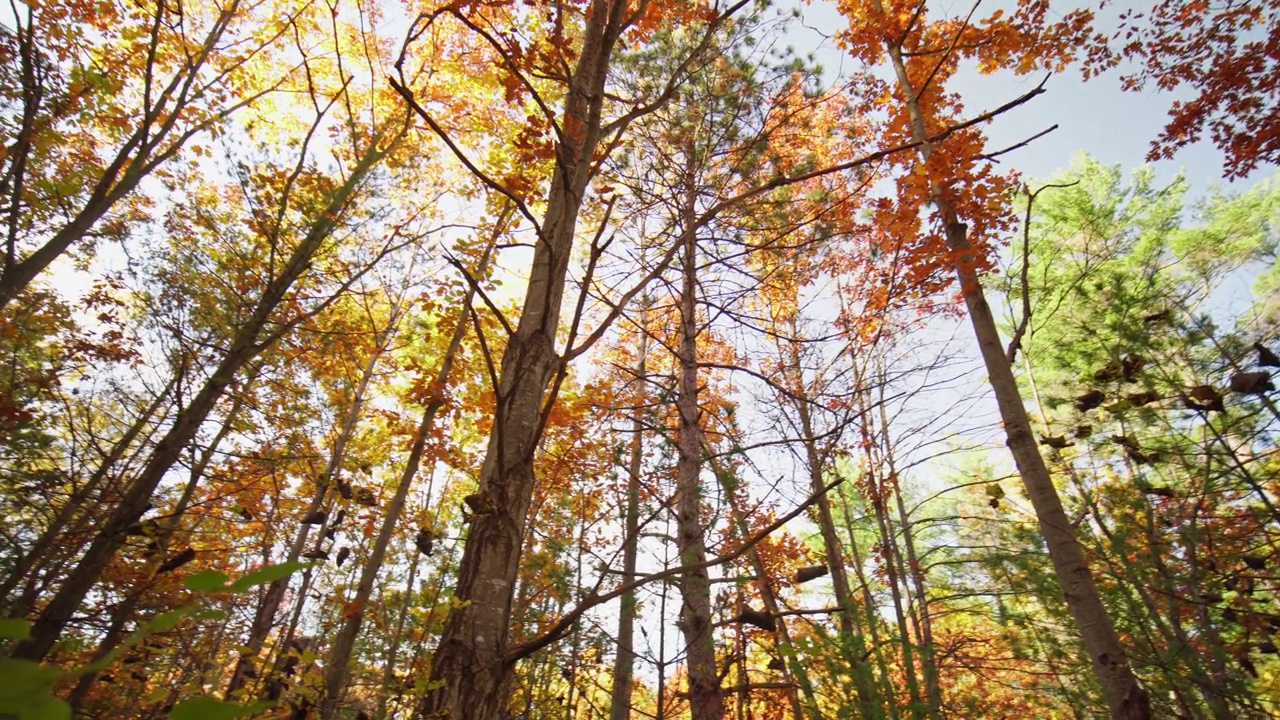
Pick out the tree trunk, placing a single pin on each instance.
(69, 514)
(134, 160)
(794, 669)
(335, 667)
(125, 612)
(389, 680)
(470, 675)
(706, 700)
(624, 660)
(910, 568)
(244, 347)
(1124, 696)
(869, 701)
(265, 616)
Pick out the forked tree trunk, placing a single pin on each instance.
(470, 674)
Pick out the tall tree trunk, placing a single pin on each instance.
(470, 675)
(706, 700)
(1124, 696)
(335, 667)
(389, 679)
(910, 568)
(624, 660)
(244, 347)
(870, 614)
(264, 618)
(869, 701)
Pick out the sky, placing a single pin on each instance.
(1097, 116)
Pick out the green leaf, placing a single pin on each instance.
(167, 620)
(22, 679)
(160, 623)
(264, 575)
(45, 707)
(15, 628)
(26, 691)
(207, 708)
(206, 581)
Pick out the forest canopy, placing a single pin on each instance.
(610, 359)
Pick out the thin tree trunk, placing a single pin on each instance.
(919, 608)
(624, 660)
(70, 511)
(265, 616)
(869, 612)
(136, 158)
(869, 700)
(335, 673)
(1125, 698)
(397, 636)
(244, 347)
(764, 584)
(116, 632)
(470, 675)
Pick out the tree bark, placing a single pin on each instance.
(706, 701)
(470, 675)
(265, 616)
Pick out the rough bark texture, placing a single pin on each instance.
(706, 700)
(470, 674)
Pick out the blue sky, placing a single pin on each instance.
(1097, 116)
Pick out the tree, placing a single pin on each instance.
(968, 199)
(152, 78)
(1225, 54)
